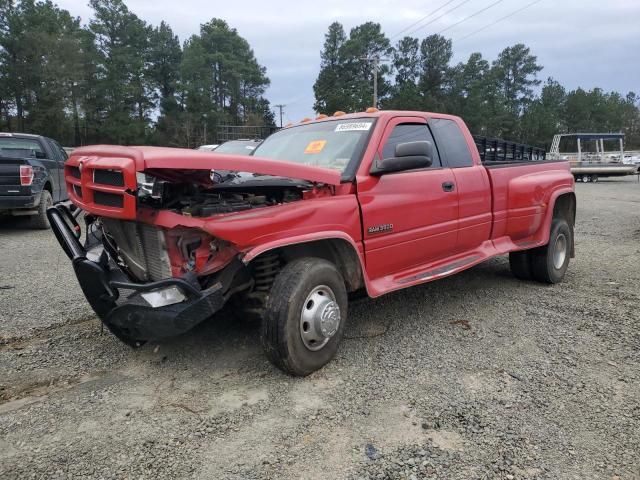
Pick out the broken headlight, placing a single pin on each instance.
(163, 297)
(145, 184)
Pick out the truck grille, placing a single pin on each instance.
(108, 199)
(103, 185)
(142, 248)
(109, 177)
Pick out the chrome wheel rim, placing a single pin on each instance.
(320, 318)
(560, 251)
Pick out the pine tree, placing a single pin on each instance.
(330, 92)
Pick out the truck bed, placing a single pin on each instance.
(495, 151)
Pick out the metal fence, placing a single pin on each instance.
(224, 133)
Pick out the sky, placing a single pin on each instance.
(580, 43)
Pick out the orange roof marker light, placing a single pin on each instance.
(305, 120)
(288, 125)
(339, 113)
(321, 116)
(372, 110)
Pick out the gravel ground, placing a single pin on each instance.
(475, 376)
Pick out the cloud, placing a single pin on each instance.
(579, 43)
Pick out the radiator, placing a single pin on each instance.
(141, 247)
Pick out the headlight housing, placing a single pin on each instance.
(145, 184)
(164, 297)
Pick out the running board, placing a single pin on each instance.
(434, 270)
(442, 271)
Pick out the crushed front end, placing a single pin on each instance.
(160, 254)
(139, 305)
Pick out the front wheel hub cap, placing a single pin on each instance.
(320, 318)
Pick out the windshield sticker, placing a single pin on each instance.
(353, 126)
(315, 147)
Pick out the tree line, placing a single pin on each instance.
(501, 98)
(120, 80)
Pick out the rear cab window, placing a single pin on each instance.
(410, 132)
(451, 143)
(12, 147)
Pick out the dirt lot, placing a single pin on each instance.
(475, 376)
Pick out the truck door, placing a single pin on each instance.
(472, 183)
(409, 218)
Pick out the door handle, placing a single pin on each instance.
(448, 186)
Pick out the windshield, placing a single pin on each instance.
(331, 144)
(11, 147)
(237, 148)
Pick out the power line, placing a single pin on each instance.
(420, 20)
(470, 16)
(438, 17)
(498, 21)
(492, 23)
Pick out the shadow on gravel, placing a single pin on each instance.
(15, 225)
(231, 339)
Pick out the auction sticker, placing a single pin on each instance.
(315, 147)
(353, 126)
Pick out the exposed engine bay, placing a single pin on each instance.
(146, 252)
(223, 193)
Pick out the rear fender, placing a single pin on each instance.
(542, 236)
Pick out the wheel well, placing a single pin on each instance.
(565, 207)
(337, 251)
(47, 187)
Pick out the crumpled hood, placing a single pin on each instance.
(182, 162)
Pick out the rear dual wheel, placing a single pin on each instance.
(546, 264)
(304, 316)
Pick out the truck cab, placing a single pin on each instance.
(31, 176)
(374, 201)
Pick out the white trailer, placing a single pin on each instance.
(589, 163)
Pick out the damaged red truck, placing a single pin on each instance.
(372, 202)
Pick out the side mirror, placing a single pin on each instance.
(408, 156)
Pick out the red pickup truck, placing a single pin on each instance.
(375, 202)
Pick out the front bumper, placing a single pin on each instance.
(118, 301)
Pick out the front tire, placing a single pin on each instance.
(550, 263)
(304, 316)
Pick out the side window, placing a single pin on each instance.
(451, 142)
(63, 154)
(410, 132)
(52, 153)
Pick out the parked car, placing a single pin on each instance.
(207, 148)
(31, 176)
(238, 147)
(376, 201)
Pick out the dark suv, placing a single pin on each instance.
(31, 176)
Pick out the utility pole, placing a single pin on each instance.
(280, 108)
(375, 60)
